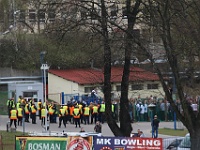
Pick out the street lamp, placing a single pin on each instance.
(151, 108)
(45, 67)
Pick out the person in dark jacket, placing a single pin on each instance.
(155, 125)
(97, 127)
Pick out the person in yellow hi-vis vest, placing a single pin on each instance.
(27, 112)
(13, 117)
(76, 115)
(62, 114)
(39, 108)
(67, 113)
(19, 116)
(71, 110)
(33, 113)
(51, 112)
(86, 114)
(102, 109)
(80, 106)
(94, 112)
(44, 113)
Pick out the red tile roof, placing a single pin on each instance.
(93, 76)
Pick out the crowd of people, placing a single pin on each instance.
(139, 111)
(73, 112)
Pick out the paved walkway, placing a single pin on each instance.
(144, 126)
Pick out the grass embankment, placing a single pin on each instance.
(172, 132)
(8, 139)
(3, 101)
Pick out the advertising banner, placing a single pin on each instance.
(127, 143)
(53, 143)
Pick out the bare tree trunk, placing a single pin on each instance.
(107, 73)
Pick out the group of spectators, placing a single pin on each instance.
(139, 111)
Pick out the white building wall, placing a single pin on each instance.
(57, 85)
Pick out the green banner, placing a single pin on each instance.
(41, 143)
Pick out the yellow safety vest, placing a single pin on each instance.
(86, 111)
(76, 113)
(18, 104)
(95, 109)
(80, 108)
(26, 109)
(102, 109)
(43, 114)
(62, 111)
(20, 112)
(66, 109)
(33, 110)
(112, 108)
(13, 114)
(39, 105)
(51, 111)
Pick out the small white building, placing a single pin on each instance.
(27, 90)
(82, 81)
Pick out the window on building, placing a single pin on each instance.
(152, 86)
(137, 87)
(118, 88)
(41, 15)
(51, 15)
(29, 94)
(22, 16)
(88, 89)
(32, 15)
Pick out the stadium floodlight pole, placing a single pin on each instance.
(45, 67)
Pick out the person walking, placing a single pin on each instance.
(155, 125)
(98, 127)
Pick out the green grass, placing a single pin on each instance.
(8, 139)
(172, 132)
(3, 101)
